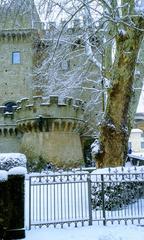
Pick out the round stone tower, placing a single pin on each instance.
(51, 130)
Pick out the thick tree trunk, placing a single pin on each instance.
(114, 129)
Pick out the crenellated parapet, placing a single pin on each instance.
(39, 114)
(46, 115)
(17, 34)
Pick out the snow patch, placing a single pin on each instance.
(107, 237)
(136, 130)
(17, 171)
(139, 6)
(111, 125)
(107, 83)
(95, 147)
(3, 176)
(122, 32)
(24, 99)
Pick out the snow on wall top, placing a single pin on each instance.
(136, 130)
(11, 160)
(17, 171)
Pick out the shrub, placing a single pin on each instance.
(116, 194)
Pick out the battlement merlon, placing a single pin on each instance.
(6, 118)
(7, 123)
(32, 109)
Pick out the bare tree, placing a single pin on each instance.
(73, 57)
(110, 42)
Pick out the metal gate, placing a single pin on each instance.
(79, 198)
(59, 199)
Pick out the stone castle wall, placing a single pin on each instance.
(44, 129)
(51, 130)
(10, 137)
(16, 79)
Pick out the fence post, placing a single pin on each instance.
(103, 200)
(16, 195)
(3, 206)
(89, 199)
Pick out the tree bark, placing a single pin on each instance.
(114, 128)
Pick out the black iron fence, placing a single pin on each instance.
(67, 198)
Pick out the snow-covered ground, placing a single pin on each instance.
(88, 233)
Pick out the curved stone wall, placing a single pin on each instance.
(62, 149)
(51, 130)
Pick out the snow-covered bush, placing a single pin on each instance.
(116, 196)
(117, 188)
(10, 160)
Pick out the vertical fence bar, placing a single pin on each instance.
(89, 199)
(40, 205)
(50, 202)
(75, 200)
(85, 198)
(33, 205)
(81, 196)
(47, 198)
(61, 198)
(30, 203)
(43, 215)
(54, 214)
(68, 202)
(103, 200)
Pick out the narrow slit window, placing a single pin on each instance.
(16, 58)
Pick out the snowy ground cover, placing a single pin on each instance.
(88, 233)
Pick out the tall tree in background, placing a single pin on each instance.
(114, 129)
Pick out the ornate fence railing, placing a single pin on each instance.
(78, 198)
